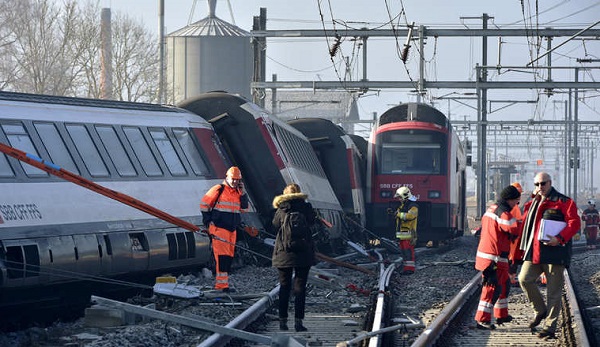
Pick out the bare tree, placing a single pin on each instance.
(135, 61)
(54, 48)
(8, 66)
(44, 52)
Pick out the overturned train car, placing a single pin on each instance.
(341, 160)
(271, 154)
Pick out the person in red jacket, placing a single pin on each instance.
(592, 219)
(550, 255)
(498, 227)
(221, 207)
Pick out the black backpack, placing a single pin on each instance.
(295, 232)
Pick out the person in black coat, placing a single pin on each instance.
(295, 261)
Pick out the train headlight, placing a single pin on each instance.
(386, 194)
(434, 194)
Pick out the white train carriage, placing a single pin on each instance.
(53, 232)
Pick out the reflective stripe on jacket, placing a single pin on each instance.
(496, 225)
(223, 207)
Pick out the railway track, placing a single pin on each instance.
(455, 326)
(344, 306)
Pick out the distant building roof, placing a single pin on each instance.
(337, 106)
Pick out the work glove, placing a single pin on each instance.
(489, 276)
(513, 237)
(250, 230)
(205, 231)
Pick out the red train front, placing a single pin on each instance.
(414, 145)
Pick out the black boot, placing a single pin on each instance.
(298, 325)
(283, 324)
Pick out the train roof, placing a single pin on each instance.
(69, 109)
(72, 101)
(417, 112)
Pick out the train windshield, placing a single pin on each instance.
(411, 152)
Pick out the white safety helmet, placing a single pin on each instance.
(592, 202)
(403, 192)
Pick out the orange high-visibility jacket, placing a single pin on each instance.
(222, 205)
(496, 225)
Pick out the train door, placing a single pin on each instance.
(61, 259)
(87, 255)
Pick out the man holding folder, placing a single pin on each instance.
(549, 254)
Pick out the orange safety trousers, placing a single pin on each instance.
(408, 253)
(494, 298)
(223, 252)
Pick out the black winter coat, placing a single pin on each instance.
(292, 203)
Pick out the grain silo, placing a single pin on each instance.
(208, 55)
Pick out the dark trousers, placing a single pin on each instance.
(285, 288)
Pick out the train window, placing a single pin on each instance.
(19, 139)
(414, 153)
(51, 139)
(167, 151)
(191, 244)
(142, 151)
(32, 260)
(87, 150)
(172, 243)
(14, 261)
(191, 151)
(116, 151)
(5, 169)
(108, 245)
(181, 245)
(411, 159)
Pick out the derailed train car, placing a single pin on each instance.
(271, 154)
(414, 145)
(341, 160)
(60, 242)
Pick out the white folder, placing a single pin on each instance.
(550, 228)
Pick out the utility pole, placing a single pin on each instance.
(161, 50)
(259, 45)
(482, 127)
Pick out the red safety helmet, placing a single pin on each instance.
(235, 173)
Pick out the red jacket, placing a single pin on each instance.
(555, 206)
(498, 226)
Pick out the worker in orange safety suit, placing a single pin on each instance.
(221, 207)
(406, 227)
(498, 227)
